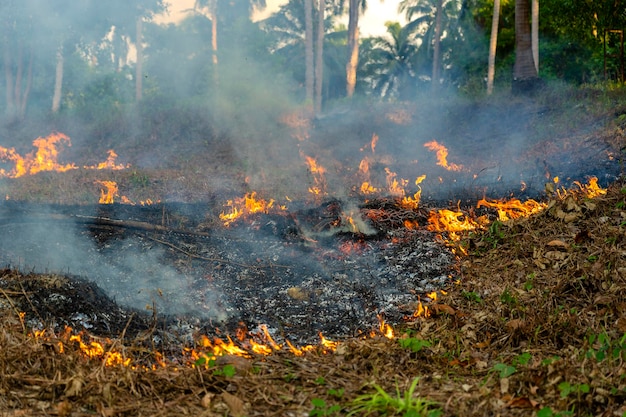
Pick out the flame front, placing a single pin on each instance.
(45, 158)
(245, 205)
(108, 193)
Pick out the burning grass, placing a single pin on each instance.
(536, 324)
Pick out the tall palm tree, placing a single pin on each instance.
(432, 18)
(389, 62)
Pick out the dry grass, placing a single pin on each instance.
(537, 321)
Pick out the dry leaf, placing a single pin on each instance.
(235, 404)
(557, 243)
(504, 385)
(443, 308)
(515, 324)
(522, 402)
(207, 399)
(74, 387)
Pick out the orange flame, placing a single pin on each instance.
(108, 193)
(43, 159)
(514, 208)
(109, 163)
(442, 155)
(245, 205)
(319, 176)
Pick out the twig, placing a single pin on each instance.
(204, 258)
(14, 309)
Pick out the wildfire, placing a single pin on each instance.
(245, 205)
(109, 163)
(319, 176)
(108, 193)
(442, 155)
(514, 208)
(44, 158)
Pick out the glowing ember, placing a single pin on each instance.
(43, 159)
(442, 155)
(108, 193)
(384, 328)
(245, 205)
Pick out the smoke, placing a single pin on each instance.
(132, 271)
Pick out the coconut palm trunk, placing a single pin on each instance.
(319, 57)
(493, 43)
(353, 47)
(524, 72)
(308, 54)
(437, 44)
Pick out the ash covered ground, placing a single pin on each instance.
(299, 273)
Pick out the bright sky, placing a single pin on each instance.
(372, 23)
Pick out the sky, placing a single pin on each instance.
(372, 23)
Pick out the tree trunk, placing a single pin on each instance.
(535, 32)
(437, 45)
(58, 81)
(29, 84)
(524, 72)
(213, 11)
(10, 109)
(353, 47)
(493, 43)
(319, 61)
(308, 54)
(139, 66)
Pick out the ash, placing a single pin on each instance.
(297, 273)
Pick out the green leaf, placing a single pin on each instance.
(545, 412)
(504, 369)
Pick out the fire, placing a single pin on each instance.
(592, 189)
(395, 186)
(43, 159)
(90, 350)
(442, 155)
(514, 208)
(108, 193)
(245, 205)
(109, 163)
(385, 329)
(319, 176)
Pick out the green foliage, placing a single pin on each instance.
(601, 347)
(547, 412)
(321, 409)
(227, 370)
(472, 296)
(401, 404)
(505, 370)
(507, 298)
(566, 388)
(414, 344)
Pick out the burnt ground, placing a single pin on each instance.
(531, 319)
(298, 273)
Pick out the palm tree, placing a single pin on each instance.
(389, 62)
(432, 18)
(356, 7)
(525, 72)
(493, 43)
